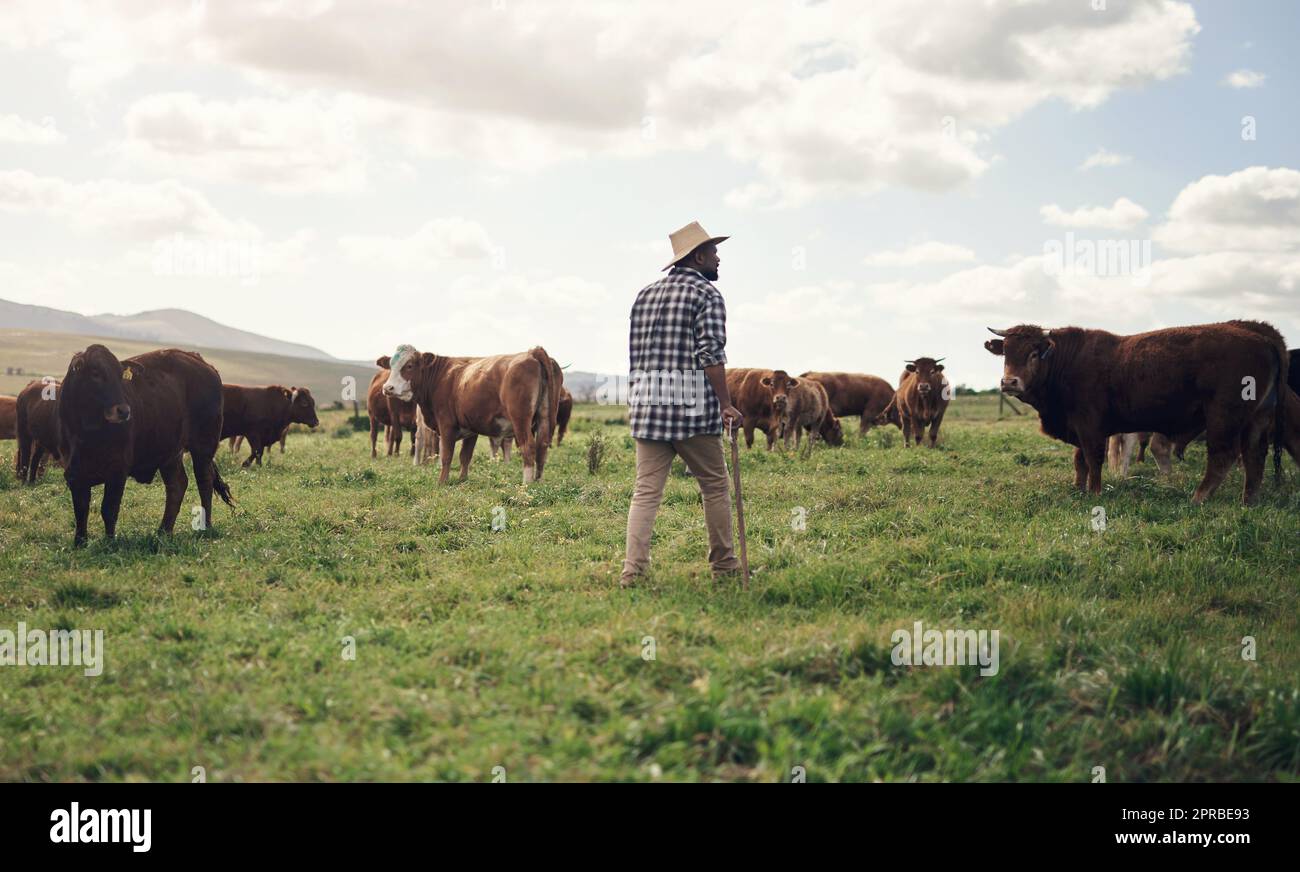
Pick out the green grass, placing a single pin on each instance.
(478, 649)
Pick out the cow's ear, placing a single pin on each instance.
(765, 381)
(911, 367)
(427, 358)
(1051, 346)
(382, 362)
(131, 370)
(287, 393)
(75, 364)
(994, 346)
(938, 367)
(792, 383)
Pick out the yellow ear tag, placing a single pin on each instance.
(126, 373)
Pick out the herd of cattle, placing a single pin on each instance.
(1233, 384)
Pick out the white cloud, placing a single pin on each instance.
(1103, 158)
(922, 253)
(128, 210)
(1255, 209)
(18, 130)
(828, 98)
(434, 243)
(293, 145)
(1244, 79)
(1124, 214)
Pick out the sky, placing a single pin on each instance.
(482, 176)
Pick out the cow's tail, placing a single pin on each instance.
(545, 411)
(892, 404)
(220, 486)
(1279, 412)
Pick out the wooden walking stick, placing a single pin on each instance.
(740, 504)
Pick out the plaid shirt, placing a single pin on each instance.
(679, 327)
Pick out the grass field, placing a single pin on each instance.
(476, 649)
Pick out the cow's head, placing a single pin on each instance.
(831, 430)
(302, 407)
(1024, 350)
(403, 371)
(929, 375)
(93, 392)
(889, 415)
(780, 384)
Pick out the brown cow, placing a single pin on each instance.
(855, 393)
(262, 414)
(810, 409)
(762, 397)
(392, 413)
(1221, 378)
(8, 417)
(563, 414)
(137, 418)
(38, 428)
(922, 399)
(467, 397)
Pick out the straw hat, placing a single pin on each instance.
(689, 238)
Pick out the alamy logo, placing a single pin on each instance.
(38, 647)
(921, 647)
(98, 825)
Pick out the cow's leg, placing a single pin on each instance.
(1114, 447)
(33, 468)
(1094, 452)
(445, 447)
(543, 447)
(1161, 448)
(749, 433)
(374, 437)
(863, 426)
(1254, 453)
(1223, 446)
(527, 447)
(111, 504)
(284, 437)
(80, 503)
(397, 440)
(812, 440)
(467, 454)
(934, 430)
(176, 482)
(506, 442)
(254, 451)
(1080, 469)
(205, 473)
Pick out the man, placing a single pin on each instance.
(679, 399)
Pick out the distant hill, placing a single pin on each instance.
(161, 327)
(39, 353)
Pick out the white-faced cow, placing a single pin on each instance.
(467, 397)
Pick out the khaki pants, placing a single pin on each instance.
(703, 454)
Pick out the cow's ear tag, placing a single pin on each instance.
(126, 373)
